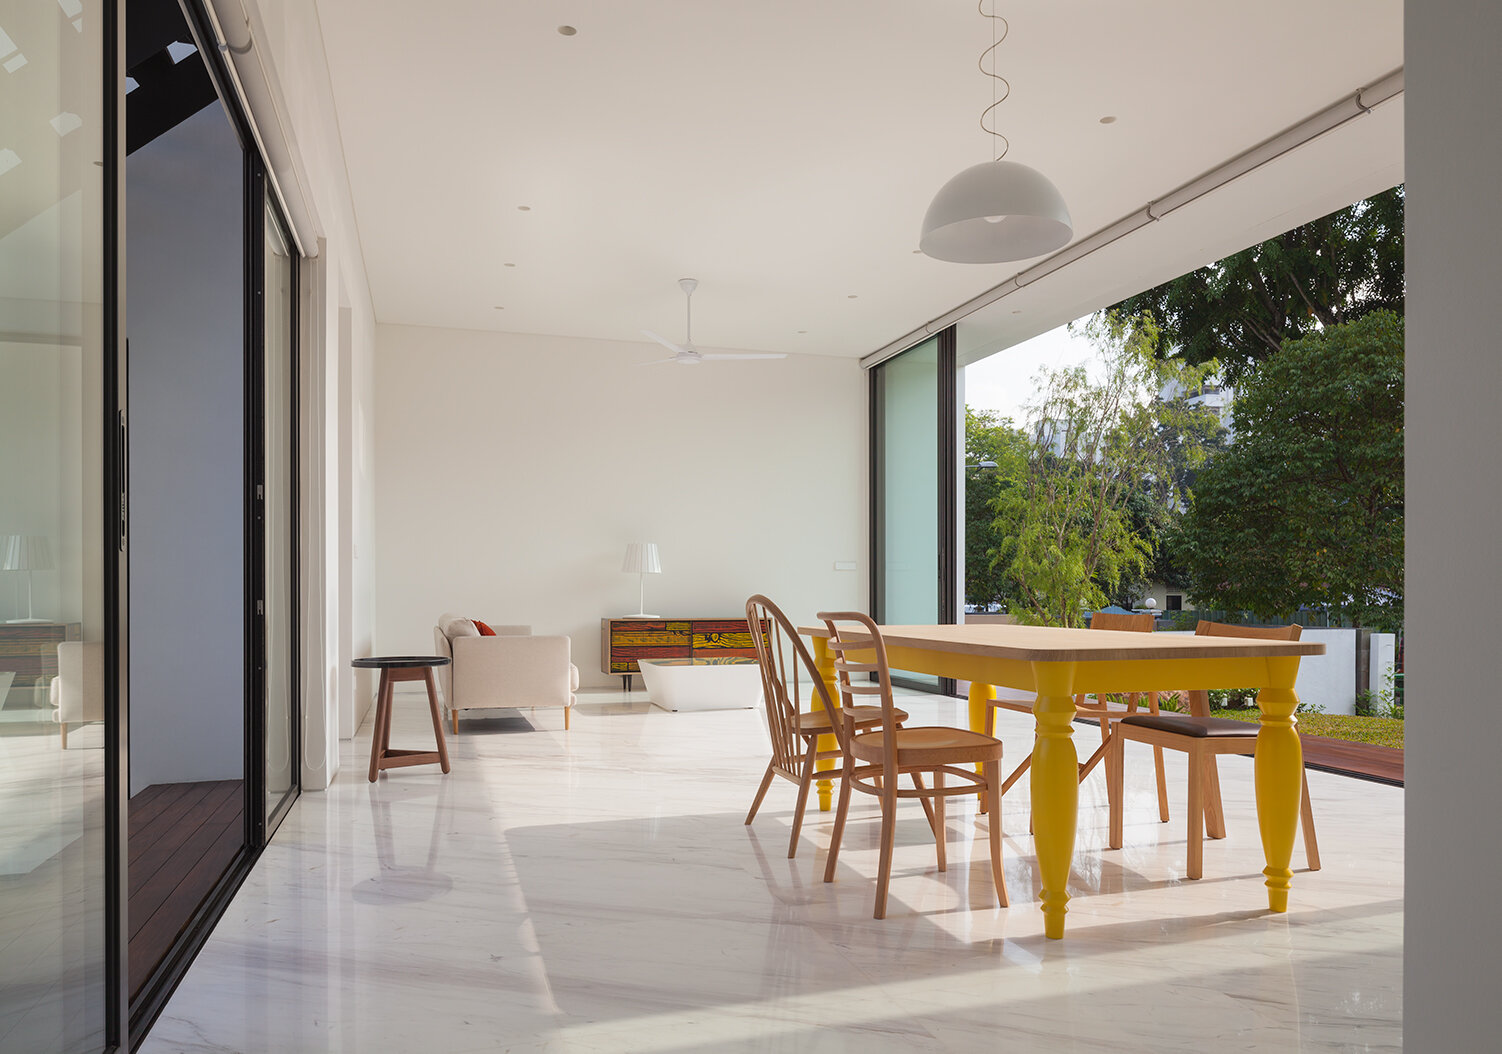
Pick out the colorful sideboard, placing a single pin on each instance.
(625, 640)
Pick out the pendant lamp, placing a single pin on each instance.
(998, 210)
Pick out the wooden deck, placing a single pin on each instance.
(183, 837)
(1365, 760)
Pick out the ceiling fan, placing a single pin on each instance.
(686, 354)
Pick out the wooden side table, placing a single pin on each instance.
(403, 668)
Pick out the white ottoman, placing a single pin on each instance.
(731, 683)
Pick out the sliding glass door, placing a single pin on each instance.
(57, 717)
(276, 492)
(913, 448)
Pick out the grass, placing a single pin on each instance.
(1381, 731)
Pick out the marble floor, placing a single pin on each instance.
(596, 891)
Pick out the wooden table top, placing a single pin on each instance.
(1053, 644)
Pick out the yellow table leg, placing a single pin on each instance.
(1055, 788)
(1279, 770)
(980, 694)
(824, 661)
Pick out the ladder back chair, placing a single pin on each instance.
(1108, 713)
(875, 758)
(1203, 738)
(786, 666)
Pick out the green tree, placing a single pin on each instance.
(994, 441)
(1242, 309)
(1305, 507)
(1067, 535)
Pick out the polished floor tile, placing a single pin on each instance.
(596, 890)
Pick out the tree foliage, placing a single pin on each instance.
(995, 440)
(1305, 507)
(1067, 536)
(1240, 310)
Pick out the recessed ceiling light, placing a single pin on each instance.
(917, 252)
(1108, 119)
(1016, 310)
(508, 265)
(566, 31)
(852, 296)
(803, 331)
(524, 208)
(498, 307)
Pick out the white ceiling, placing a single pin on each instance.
(784, 151)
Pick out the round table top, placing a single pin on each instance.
(400, 662)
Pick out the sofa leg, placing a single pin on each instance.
(567, 711)
(63, 735)
(455, 715)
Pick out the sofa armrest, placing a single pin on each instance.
(511, 671)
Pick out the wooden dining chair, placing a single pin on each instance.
(786, 667)
(1203, 738)
(1107, 712)
(875, 758)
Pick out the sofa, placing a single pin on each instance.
(77, 692)
(513, 668)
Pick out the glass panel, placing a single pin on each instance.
(907, 487)
(52, 801)
(281, 777)
(186, 280)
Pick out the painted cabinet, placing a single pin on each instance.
(625, 640)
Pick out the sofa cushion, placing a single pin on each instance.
(459, 627)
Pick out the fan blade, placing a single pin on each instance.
(665, 342)
(758, 355)
(656, 362)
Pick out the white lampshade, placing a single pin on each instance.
(26, 552)
(994, 212)
(641, 559)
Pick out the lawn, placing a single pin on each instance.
(1382, 731)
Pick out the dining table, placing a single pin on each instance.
(1056, 664)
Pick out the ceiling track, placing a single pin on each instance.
(1357, 104)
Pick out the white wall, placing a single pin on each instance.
(186, 375)
(514, 469)
(1453, 915)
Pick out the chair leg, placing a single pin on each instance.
(938, 824)
(846, 779)
(761, 792)
(1306, 818)
(928, 809)
(803, 785)
(888, 844)
(992, 772)
(1114, 793)
(1163, 785)
(1215, 814)
(1196, 814)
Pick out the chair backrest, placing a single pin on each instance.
(1225, 629)
(785, 665)
(851, 632)
(1141, 622)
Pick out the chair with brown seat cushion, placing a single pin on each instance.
(786, 666)
(1203, 738)
(1107, 712)
(875, 758)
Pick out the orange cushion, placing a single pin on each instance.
(485, 631)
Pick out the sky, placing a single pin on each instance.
(1004, 381)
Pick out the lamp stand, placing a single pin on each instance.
(641, 597)
(29, 617)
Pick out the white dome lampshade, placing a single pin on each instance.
(994, 212)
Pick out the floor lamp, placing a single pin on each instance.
(26, 552)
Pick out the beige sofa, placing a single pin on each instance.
(511, 669)
(77, 692)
